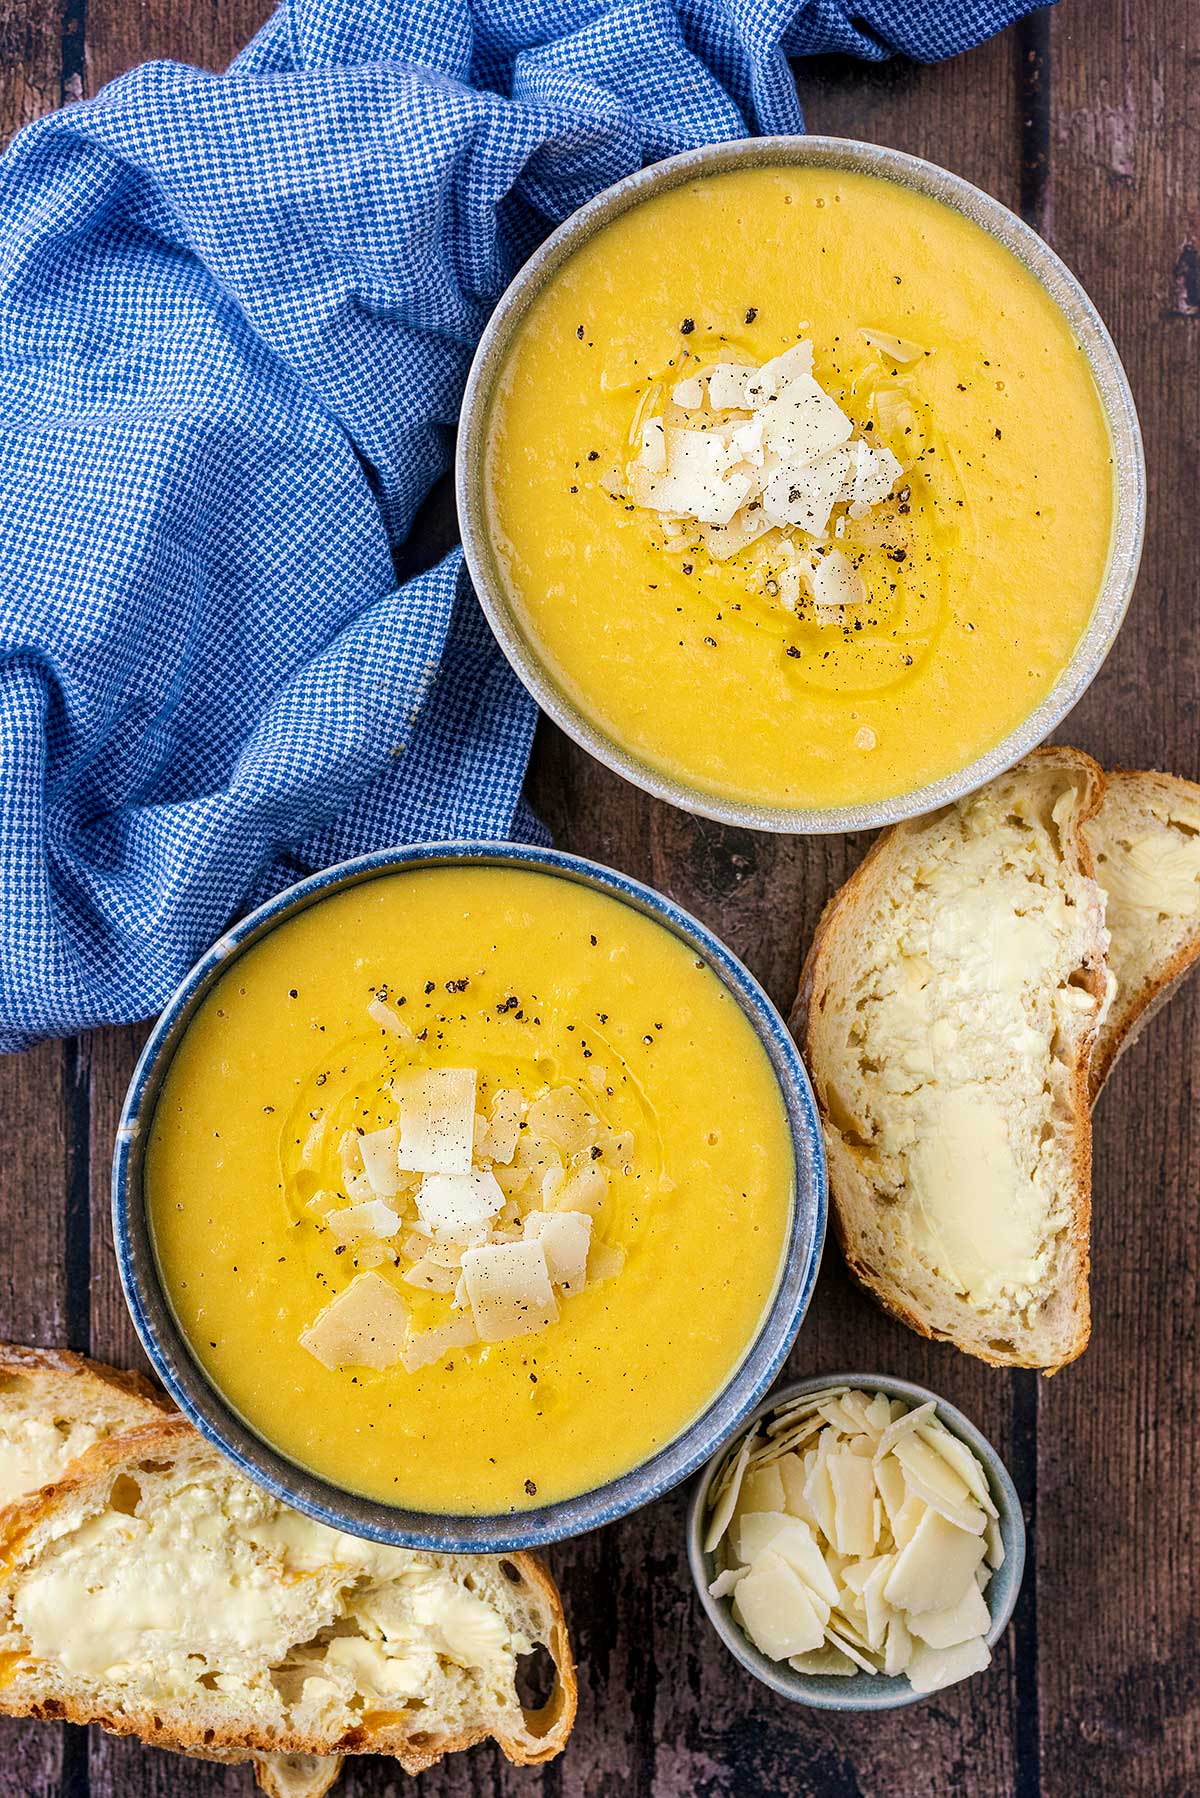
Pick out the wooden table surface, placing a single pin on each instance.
(1087, 120)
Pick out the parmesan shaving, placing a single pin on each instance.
(437, 1121)
(354, 1221)
(504, 1124)
(423, 1347)
(605, 1261)
(388, 1018)
(896, 349)
(378, 1151)
(458, 1207)
(565, 1237)
(771, 451)
(857, 1533)
(364, 1326)
(508, 1194)
(562, 1117)
(431, 1276)
(509, 1290)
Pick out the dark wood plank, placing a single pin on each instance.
(38, 43)
(207, 34)
(33, 1303)
(31, 61)
(1119, 1614)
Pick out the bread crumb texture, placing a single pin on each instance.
(159, 1592)
(953, 995)
(1145, 841)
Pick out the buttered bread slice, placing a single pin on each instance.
(948, 1011)
(157, 1592)
(1145, 841)
(54, 1406)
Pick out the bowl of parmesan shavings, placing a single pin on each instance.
(859, 1546)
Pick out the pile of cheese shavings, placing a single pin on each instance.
(858, 1533)
(493, 1209)
(765, 449)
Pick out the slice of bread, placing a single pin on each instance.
(1145, 841)
(54, 1405)
(157, 1592)
(948, 1010)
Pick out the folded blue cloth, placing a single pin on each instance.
(236, 313)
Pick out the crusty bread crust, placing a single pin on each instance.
(297, 1775)
(1158, 977)
(58, 1373)
(840, 915)
(172, 1440)
(53, 1380)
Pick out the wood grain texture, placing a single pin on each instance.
(31, 61)
(207, 33)
(1088, 124)
(1119, 1462)
(33, 1303)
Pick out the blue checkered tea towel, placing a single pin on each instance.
(236, 314)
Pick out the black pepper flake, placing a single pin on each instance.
(531, 1488)
(592, 941)
(687, 326)
(509, 1004)
(292, 993)
(711, 641)
(792, 650)
(751, 314)
(687, 567)
(593, 455)
(996, 432)
(579, 332)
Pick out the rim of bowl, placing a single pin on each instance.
(216, 1418)
(829, 1692)
(1035, 255)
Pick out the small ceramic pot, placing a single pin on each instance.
(859, 1691)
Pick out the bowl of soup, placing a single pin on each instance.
(468, 1195)
(801, 483)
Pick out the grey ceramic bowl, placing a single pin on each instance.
(925, 177)
(190, 1387)
(859, 1691)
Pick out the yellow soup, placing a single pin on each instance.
(981, 570)
(536, 983)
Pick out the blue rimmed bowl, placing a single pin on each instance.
(858, 1691)
(216, 1418)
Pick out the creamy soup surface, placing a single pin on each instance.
(981, 569)
(537, 983)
